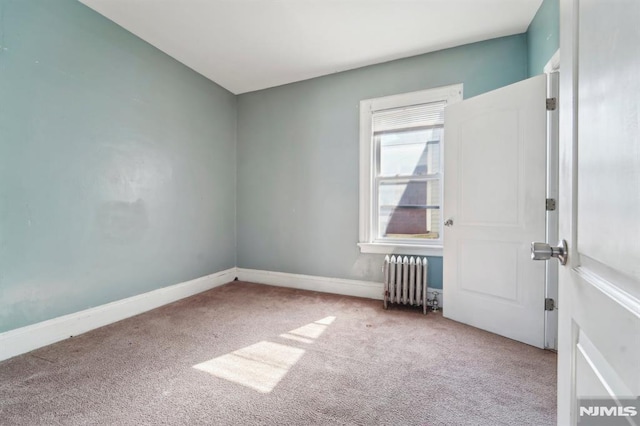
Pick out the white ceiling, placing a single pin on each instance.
(247, 45)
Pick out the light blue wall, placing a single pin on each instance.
(117, 164)
(543, 36)
(298, 157)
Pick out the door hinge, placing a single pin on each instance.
(549, 304)
(551, 204)
(552, 104)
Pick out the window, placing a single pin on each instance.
(401, 171)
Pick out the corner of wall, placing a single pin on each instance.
(527, 57)
(235, 183)
(543, 36)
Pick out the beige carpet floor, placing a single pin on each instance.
(248, 354)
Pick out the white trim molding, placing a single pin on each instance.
(343, 286)
(347, 287)
(26, 339)
(31, 337)
(408, 249)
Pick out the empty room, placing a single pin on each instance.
(319, 212)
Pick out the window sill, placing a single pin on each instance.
(409, 249)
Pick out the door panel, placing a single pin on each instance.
(495, 162)
(608, 128)
(485, 273)
(599, 289)
(477, 197)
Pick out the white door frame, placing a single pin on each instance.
(551, 277)
(568, 153)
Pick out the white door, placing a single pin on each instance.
(494, 200)
(599, 205)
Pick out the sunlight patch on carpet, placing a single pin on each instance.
(296, 338)
(260, 366)
(263, 365)
(326, 321)
(308, 333)
(312, 331)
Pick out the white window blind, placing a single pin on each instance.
(409, 117)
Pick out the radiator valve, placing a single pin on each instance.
(434, 302)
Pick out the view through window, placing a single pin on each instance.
(408, 179)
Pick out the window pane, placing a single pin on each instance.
(415, 152)
(409, 209)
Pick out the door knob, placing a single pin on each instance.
(543, 251)
(448, 222)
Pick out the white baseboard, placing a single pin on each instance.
(367, 289)
(25, 339)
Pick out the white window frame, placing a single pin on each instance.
(368, 204)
